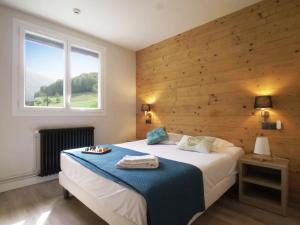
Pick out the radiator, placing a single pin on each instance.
(53, 141)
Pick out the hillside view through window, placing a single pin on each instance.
(84, 74)
(44, 72)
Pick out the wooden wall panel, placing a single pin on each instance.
(203, 81)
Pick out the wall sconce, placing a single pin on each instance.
(263, 103)
(147, 108)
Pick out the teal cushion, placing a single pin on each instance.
(157, 135)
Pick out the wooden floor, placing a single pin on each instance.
(43, 204)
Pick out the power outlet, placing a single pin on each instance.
(268, 126)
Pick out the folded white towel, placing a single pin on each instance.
(138, 162)
(139, 159)
(139, 166)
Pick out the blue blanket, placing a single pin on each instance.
(173, 192)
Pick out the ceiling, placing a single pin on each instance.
(133, 24)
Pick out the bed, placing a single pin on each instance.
(117, 204)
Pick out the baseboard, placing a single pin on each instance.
(24, 181)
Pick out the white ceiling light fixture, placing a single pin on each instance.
(76, 11)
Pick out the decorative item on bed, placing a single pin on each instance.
(96, 150)
(196, 144)
(157, 135)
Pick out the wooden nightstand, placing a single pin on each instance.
(264, 183)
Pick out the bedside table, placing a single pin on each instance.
(264, 182)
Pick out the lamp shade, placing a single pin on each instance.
(145, 108)
(263, 102)
(262, 146)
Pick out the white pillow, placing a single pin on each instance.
(220, 144)
(172, 140)
(196, 144)
(229, 150)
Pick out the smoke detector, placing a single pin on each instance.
(76, 11)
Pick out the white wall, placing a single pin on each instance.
(17, 142)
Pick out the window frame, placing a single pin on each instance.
(18, 73)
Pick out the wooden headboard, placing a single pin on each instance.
(203, 81)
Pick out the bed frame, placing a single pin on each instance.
(112, 218)
(87, 199)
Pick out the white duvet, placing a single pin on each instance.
(126, 202)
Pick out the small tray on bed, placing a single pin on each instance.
(96, 150)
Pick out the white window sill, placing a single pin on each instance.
(42, 112)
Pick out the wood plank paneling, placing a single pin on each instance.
(203, 81)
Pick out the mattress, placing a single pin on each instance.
(215, 167)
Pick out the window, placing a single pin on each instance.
(55, 74)
(44, 66)
(84, 74)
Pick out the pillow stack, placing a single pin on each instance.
(201, 144)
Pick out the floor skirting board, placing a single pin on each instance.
(24, 181)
